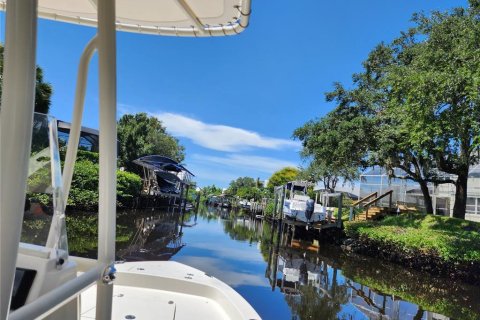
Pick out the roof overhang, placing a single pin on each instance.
(188, 18)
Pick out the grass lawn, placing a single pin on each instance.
(451, 239)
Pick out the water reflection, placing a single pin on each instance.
(157, 237)
(321, 280)
(286, 278)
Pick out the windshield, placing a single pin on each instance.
(44, 218)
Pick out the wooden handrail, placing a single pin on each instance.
(376, 199)
(363, 199)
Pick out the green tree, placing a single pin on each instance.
(420, 95)
(249, 193)
(380, 135)
(434, 83)
(241, 182)
(43, 90)
(282, 176)
(211, 190)
(140, 135)
(335, 145)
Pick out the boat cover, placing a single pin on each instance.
(156, 163)
(163, 17)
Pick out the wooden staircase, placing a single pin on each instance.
(372, 212)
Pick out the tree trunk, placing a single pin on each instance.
(419, 314)
(461, 195)
(427, 199)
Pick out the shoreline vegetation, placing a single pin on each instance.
(436, 244)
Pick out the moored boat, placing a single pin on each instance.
(300, 207)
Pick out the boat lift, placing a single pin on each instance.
(280, 193)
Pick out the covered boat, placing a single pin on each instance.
(300, 207)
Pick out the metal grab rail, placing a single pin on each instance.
(58, 297)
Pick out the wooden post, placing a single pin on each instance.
(390, 202)
(339, 213)
(282, 201)
(275, 204)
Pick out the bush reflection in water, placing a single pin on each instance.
(313, 282)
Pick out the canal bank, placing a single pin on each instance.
(435, 244)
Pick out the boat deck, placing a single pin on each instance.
(140, 303)
(168, 290)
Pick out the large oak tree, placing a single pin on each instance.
(416, 103)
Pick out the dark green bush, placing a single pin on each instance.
(84, 189)
(129, 186)
(81, 155)
(452, 239)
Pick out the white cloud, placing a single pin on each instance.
(257, 163)
(229, 252)
(220, 137)
(220, 270)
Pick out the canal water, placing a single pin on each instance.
(282, 277)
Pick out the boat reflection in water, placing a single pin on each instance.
(157, 237)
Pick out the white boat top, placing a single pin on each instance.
(165, 17)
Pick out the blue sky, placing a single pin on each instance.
(234, 102)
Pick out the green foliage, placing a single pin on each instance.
(211, 190)
(434, 91)
(249, 193)
(82, 231)
(87, 156)
(140, 135)
(247, 188)
(269, 208)
(450, 238)
(335, 144)
(242, 182)
(43, 198)
(43, 90)
(40, 180)
(43, 93)
(429, 293)
(35, 231)
(415, 106)
(282, 176)
(129, 186)
(84, 188)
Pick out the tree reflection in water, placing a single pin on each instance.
(322, 283)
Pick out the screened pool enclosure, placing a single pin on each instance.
(407, 191)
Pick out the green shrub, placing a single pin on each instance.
(84, 188)
(129, 186)
(81, 155)
(87, 156)
(450, 238)
(269, 208)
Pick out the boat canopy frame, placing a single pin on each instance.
(16, 116)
